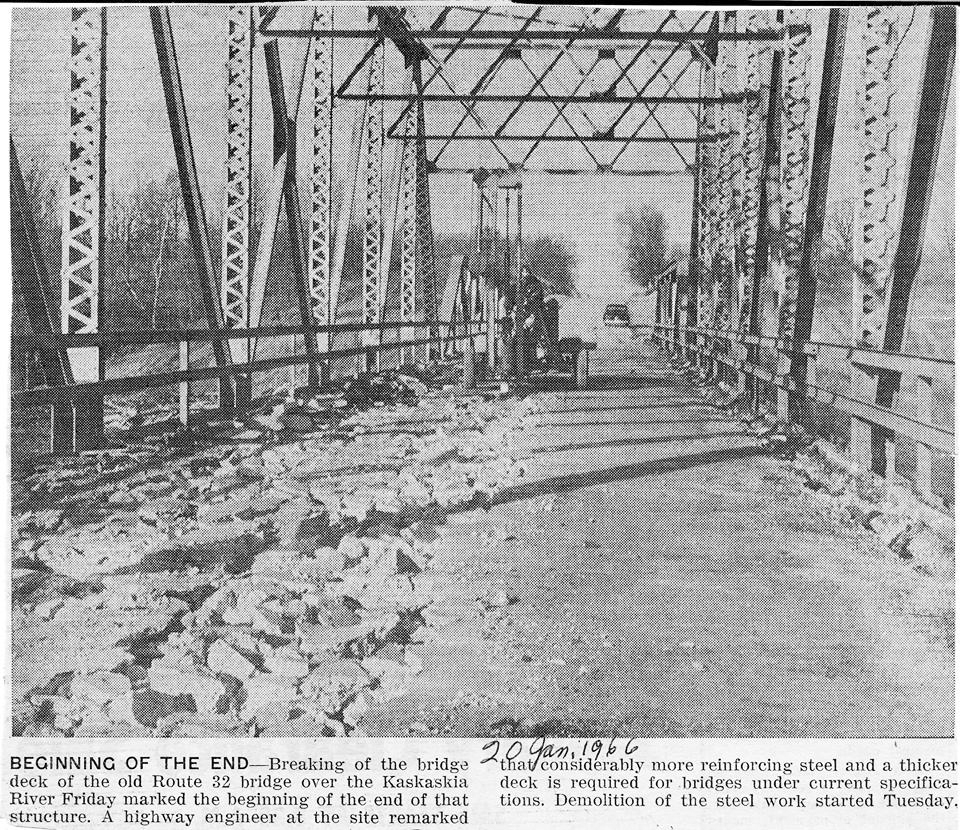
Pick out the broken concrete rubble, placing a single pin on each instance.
(257, 590)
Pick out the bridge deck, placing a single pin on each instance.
(670, 579)
(654, 572)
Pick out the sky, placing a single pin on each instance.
(583, 210)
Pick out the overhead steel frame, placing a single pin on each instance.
(235, 261)
(81, 301)
(321, 179)
(796, 106)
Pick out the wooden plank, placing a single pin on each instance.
(864, 411)
(51, 394)
(138, 338)
(902, 364)
(924, 412)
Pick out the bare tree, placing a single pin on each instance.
(645, 244)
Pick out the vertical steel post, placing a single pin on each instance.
(321, 178)
(866, 443)
(373, 201)
(32, 283)
(408, 232)
(190, 187)
(694, 279)
(425, 252)
(878, 163)
(753, 161)
(817, 202)
(768, 208)
(796, 105)
(753, 150)
(920, 171)
(81, 301)
(235, 261)
(709, 217)
(285, 147)
(724, 262)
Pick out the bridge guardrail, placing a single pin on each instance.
(59, 394)
(877, 423)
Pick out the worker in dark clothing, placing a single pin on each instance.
(530, 321)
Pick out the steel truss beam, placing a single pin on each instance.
(31, 281)
(321, 178)
(373, 134)
(408, 253)
(879, 36)
(602, 170)
(753, 152)
(81, 301)
(425, 253)
(708, 208)
(190, 186)
(651, 109)
(285, 147)
(235, 262)
(724, 261)
(935, 90)
(686, 100)
(796, 106)
(624, 139)
(819, 184)
(523, 34)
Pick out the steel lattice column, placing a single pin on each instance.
(321, 181)
(753, 152)
(81, 302)
(235, 263)
(373, 205)
(708, 204)
(408, 206)
(724, 189)
(425, 255)
(878, 193)
(796, 105)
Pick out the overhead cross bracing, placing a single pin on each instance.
(637, 86)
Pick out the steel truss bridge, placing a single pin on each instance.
(726, 94)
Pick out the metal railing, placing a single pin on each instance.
(711, 349)
(64, 393)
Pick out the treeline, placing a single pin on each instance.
(149, 277)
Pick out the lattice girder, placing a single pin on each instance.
(373, 178)
(878, 161)
(321, 180)
(753, 154)
(235, 263)
(796, 105)
(81, 299)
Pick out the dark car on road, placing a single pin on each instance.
(616, 315)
